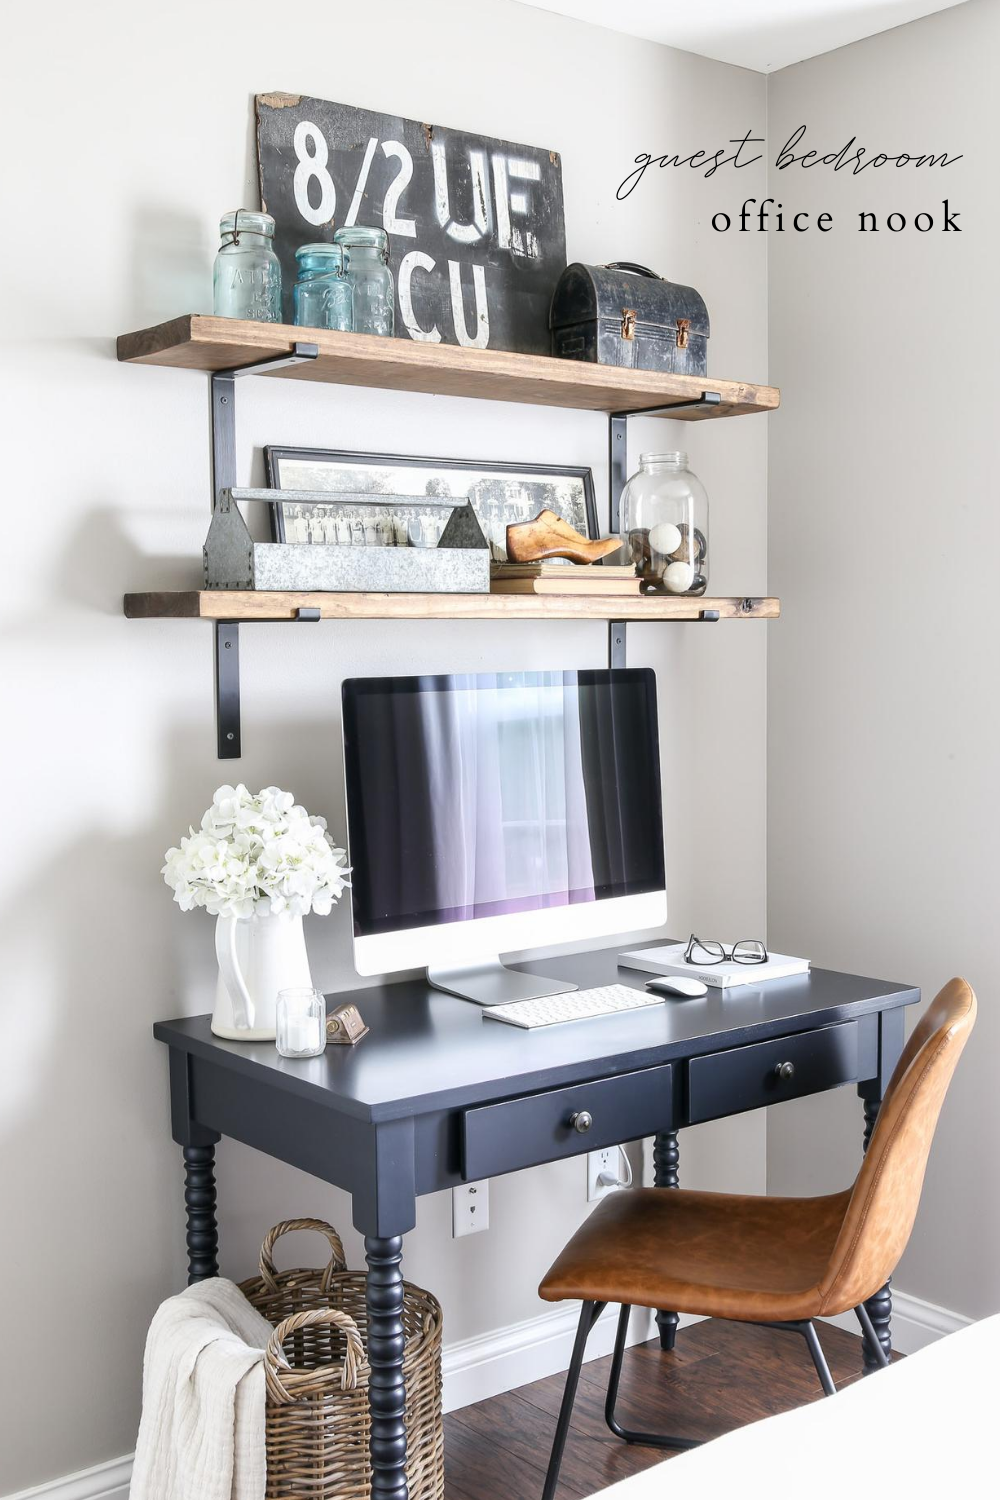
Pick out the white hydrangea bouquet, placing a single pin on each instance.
(258, 863)
(257, 854)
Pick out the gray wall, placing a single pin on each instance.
(136, 135)
(884, 534)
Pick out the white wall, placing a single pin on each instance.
(135, 134)
(884, 537)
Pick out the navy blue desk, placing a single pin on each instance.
(436, 1096)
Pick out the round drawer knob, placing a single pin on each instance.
(784, 1070)
(581, 1121)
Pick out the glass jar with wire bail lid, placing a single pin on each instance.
(247, 277)
(665, 524)
(322, 293)
(367, 264)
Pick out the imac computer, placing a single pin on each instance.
(493, 813)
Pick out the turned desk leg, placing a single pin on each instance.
(200, 1203)
(880, 1306)
(386, 1393)
(666, 1159)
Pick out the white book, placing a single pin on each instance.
(670, 960)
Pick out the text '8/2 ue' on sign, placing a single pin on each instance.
(476, 231)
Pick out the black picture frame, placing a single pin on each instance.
(275, 457)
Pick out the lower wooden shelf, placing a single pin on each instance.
(239, 605)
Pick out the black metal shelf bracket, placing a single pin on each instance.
(617, 477)
(707, 401)
(227, 632)
(227, 689)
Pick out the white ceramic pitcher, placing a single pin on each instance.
(258, 956)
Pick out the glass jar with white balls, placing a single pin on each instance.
(665, 524)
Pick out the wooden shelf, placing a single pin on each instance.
(227, 346)
(238, 605)
(202, 343)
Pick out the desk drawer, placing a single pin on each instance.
(523, 1132)
(727, 1083)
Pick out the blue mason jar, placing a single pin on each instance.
(372, 287)
(247, 278)
(322, 293)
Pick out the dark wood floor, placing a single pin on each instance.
(720, 1376)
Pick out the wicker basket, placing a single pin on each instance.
(317, 1379)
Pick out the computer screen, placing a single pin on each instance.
(484, 796)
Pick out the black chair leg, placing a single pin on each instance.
(871, 1337)
(589, 1314)
(811, 1337)
(819, 1359)
(643, 1439)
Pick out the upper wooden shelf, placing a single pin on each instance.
(237, 604)
(202, 343)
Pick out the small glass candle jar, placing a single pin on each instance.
(367, 263)
(665, 524)
(301, 1023)
(247, 279)
(323, 295)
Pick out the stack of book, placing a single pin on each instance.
(564, 578)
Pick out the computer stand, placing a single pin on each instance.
(489, 982)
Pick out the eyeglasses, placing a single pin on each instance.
(746, 951)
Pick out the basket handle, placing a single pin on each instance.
(336, 1262)
(275, 1362)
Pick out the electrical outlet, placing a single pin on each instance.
(470, 1208)
(606, 1163)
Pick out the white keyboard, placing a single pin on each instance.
(578, 1005)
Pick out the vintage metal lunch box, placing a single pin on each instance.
(624, 314)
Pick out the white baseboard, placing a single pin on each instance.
(492, 1363)
(108, 1481)
(915, 1323)
(502, 1360)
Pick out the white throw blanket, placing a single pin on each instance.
(201, 1436)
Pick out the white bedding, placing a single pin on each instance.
(927, 1426)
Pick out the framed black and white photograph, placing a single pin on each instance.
(390, 500)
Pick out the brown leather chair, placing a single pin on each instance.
(776, 1261)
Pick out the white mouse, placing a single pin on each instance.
(677, 985)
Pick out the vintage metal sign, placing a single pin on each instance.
(475, 225)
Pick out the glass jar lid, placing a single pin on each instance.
(364, 237)
(322, 257)
(245, 221)
(667, 460)
(362, 234)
